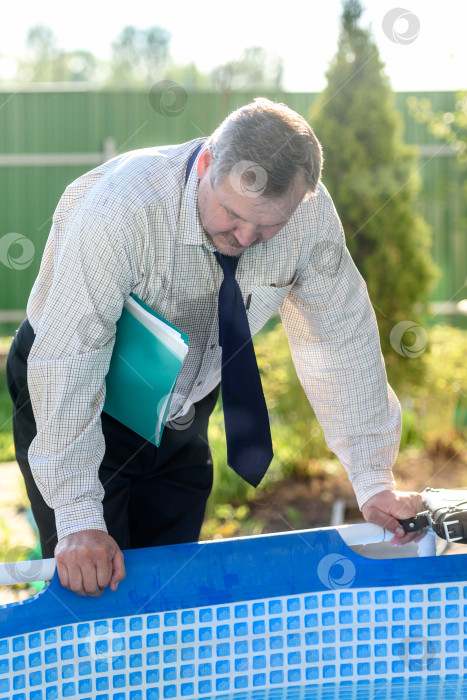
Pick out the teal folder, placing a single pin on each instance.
(146, 360)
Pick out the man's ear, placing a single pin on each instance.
(204, 161)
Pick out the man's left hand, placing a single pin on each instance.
(388, 507)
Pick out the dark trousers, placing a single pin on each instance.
(153, 495)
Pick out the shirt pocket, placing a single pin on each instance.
(263, 302)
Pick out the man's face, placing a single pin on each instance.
(235, 221)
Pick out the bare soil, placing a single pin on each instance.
(307, 501)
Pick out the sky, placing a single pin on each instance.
(422, 42)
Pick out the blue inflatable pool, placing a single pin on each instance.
(288, 616)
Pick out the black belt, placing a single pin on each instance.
(448, 522)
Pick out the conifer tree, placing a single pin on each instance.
(372, 177)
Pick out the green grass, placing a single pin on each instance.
(7, 451)
(5, 342)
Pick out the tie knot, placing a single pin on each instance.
(228, 263)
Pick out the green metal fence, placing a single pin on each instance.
(442, 202)
(48, 138)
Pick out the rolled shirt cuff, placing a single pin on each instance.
(83, 515)
(368, 484)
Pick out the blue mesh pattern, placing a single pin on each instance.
(299, 640)
(189, 623)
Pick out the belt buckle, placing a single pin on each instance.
(446, 530)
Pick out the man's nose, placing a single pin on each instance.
(246, 234)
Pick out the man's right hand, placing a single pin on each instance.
(88, 562)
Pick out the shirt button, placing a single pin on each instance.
(199, 383)
(213, 346)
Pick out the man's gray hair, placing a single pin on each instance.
(265, 144)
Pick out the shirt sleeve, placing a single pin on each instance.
(335, 346)
(75, 333)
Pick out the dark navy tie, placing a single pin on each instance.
(248, 435)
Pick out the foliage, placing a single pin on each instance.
(434, 413)
(448, 126)
(12, 546)
(372, 178)
(7, 450)
(9, 552)
(46, 62)
(227, 520)
(254, 69)
(188, 75)
(139, 56)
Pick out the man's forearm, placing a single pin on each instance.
(65, 456)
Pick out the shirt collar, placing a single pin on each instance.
(190, 228)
